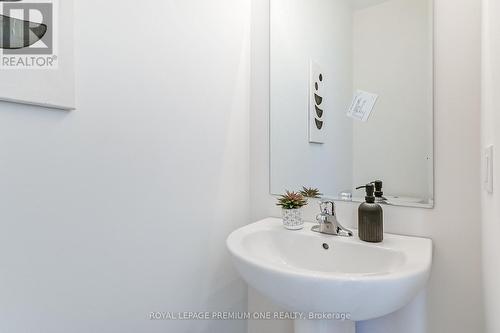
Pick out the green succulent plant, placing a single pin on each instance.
(310, 192)
(291, 200)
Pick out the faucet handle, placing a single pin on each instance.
(327, 207)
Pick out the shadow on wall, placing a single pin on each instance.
(32, 113)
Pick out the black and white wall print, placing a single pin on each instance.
(36, 52)
(317, 104)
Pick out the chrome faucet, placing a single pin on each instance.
(328, 223)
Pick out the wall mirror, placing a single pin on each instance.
(352, 98)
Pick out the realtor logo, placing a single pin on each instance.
(27, 34)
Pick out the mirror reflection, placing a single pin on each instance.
(352, 98)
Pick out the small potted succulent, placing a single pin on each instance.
(310, 192)
(291, 204)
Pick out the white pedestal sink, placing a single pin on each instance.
(323, 276)
(324, 326)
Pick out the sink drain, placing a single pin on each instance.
(326, 246)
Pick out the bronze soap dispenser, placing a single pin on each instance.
(370, 217)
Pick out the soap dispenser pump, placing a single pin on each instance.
(370, 217)
(379, 193)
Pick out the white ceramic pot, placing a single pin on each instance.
(292, 219)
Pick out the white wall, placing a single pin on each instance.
(123, 206)
(392, 57)
(490, 135)
(305, 30)
(454, 300)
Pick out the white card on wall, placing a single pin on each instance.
(317, 104)
(362, 105)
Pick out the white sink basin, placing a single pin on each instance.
(357, 279)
